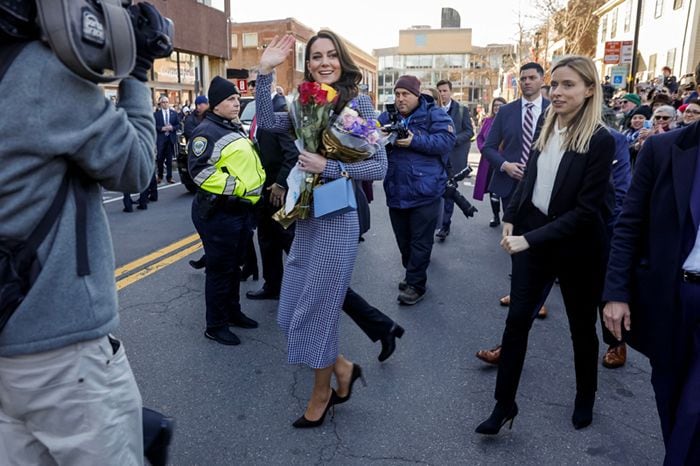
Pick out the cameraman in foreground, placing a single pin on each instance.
(67, 393)
(415, 180)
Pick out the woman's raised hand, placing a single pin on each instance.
(276, 53)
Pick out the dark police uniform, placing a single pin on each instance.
(227, 171)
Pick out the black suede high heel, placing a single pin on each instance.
(356, 374)
(500, 416)
(583, 411)
(303, 423)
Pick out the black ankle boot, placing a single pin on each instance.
(496, 209)
(583, 411)
(502, 413)
(249, 271)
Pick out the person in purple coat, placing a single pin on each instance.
(485, 171)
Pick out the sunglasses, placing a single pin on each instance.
(662, 117)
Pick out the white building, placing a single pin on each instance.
(669, 34)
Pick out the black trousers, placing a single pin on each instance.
(224, 236)
(165, 155)
(371, 320)
(152, 190)
(580, 281)
(273, 240)
(414, 230)
(129, 203)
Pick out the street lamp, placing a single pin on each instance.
(635, 60)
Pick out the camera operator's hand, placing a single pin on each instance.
(405, 142)
(515, 170)
(276, 53)
(151, 34)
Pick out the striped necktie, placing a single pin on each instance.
(528, 126)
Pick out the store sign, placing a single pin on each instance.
(626, 52)
(242, 85)
(612, 52)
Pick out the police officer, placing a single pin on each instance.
(230, 178)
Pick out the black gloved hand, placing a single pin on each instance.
(153, 35)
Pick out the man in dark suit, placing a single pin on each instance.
(458, 155)
(652, 286)
(508, 144)
(167, 122)
(513, 133)
(278, 154)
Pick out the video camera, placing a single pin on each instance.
(453, 194)
(93, 38)
(396, 124)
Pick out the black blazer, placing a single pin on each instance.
(577, 206)
(278, 154)
(648, 248)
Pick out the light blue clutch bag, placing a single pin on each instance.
(335, 197)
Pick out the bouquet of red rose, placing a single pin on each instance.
(310, 113)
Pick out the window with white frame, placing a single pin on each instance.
(613, 23)
(250, 39)
(299, 54)
(652, 64)
(234, 41)
(628, 15)
(603, 28)
(659, 8)
(671, 58)
(677, 4)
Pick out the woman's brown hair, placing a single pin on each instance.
(350, 75)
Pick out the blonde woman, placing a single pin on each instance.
(554, 226)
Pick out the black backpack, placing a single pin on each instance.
(19, 267)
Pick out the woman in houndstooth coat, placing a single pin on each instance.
(320, 262)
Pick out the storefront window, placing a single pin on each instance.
(188, 64)
(165, 69)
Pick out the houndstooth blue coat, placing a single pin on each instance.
(320, 262)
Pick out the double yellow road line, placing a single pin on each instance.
(150, 264)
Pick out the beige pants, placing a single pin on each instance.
(78, 405)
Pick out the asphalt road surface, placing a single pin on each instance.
(235, 405)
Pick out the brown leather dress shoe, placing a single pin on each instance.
(505, 301)
(490, 356)
(615, 357)
(543, 313)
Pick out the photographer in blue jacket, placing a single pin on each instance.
(415, 179)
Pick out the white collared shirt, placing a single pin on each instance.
(547, 167)
(166, 117)
(536, 110)
(692, 262)
(446, 107)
